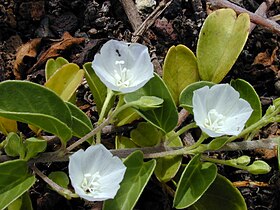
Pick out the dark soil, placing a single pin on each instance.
(98, 21)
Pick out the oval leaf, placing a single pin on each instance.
(7, 125)
(14, 146)
(66, 80)
(34, 146)
(248, 93)
(219, 195)
(187, 94)
(34, 104)
(14, 181)
(194, 181)
(168, 166)
(164, 117)
(179, 70)
(54, 64)
(221, 39)
(135, 179)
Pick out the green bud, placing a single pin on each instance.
(14, 145)
(243, 160)
(147, 102)
(259, 167)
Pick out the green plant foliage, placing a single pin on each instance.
(126, 116)
(187, 94)
(219, 196)
(123, 142)
(34, 104)
(7, 126)
(54, 64)
(221, 39)
(66, 80)
(33, 146)
(145, 135)
(259, 167)
(14, 146)
(217, 143)
(135, 179)
(164, 117)
(22, 203)
(81, 124)
(60, 178)
(248, 93)
(168, 166)
(179, 70)
(97, 88)
(14, 181)
(194, 181)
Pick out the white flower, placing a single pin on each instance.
(95, 174)
(219, 110)
(123, 67)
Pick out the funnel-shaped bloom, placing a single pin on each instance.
(123, 67)
(219, 110)
(95, 174)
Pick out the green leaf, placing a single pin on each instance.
(145, 135)
(60, 178)
(21, 203)
(123, 142)
(164, 117)
(194, 181)
(220, 195)
(34, 146)
(135, 179)
(81, 124)
(7, 126)
(259, 167)
(34, 104)
(66, 80)
(14, 181)
(126, 116)
(217, 143)
(179, 70)
(53, 65)
(14, 146)
(145, 103)
(187, 94)
(168, 166)
(221, 39)
(248, 93)
(97, 88)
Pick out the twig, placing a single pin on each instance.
(257, 19)
(263, 8)
(150, 20)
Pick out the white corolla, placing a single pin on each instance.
(123, 67)
(95, 174)
(219, 110)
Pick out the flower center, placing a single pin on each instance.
(91, 183)
(121, 75)
(214, 121)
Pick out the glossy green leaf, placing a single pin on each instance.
(66, 80)
(14, 146)
(164, 117)
(219, 196)
(97, 88)
(123, 142)
(217, 143)
(221, 39)
(126, 116)
(187, 94)
(194, 181)
(21, 203)
(60, 178)
(145, 135)
(259, 167)
(135, 179)
(14, 181)
(81, 124)
(179, 70)
(7, 126)
(168, 166)
(52, 65)
(248, 93)
(34, 104)
(34, 146)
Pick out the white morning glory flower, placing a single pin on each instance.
(123, 67)
(95, 174)
(219, 110)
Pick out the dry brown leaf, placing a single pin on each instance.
(29, 50)
(265, 58)
(250, 184)
(55, 50)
